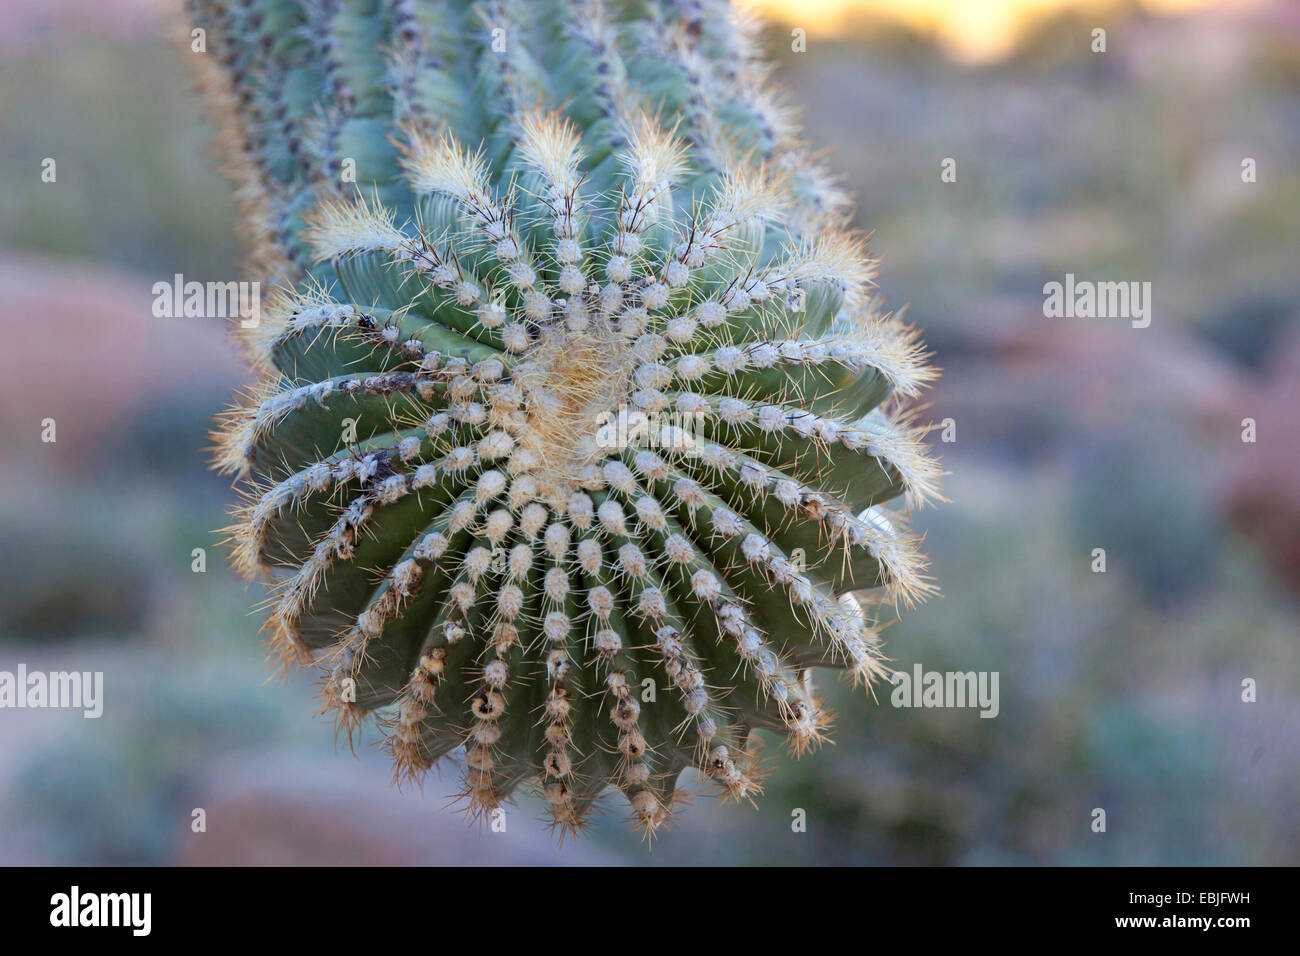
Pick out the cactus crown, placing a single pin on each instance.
(569, 220)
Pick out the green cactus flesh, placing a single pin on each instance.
(565, 217)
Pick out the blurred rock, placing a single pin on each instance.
(28, 22)
(1261, 494)
(302, 812)
(1048, 380)
(94, 357)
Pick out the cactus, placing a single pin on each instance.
(566, 218)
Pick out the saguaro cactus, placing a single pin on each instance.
(568, 221)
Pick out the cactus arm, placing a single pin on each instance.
(560, 211)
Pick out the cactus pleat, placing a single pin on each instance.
(561, 211)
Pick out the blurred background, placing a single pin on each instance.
(1120, 690)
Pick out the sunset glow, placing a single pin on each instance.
(972, 30)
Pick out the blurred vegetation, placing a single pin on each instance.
(1119, 165)
(136, 186)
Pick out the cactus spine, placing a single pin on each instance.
(566, 216)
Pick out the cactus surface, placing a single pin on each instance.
(567, 220)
